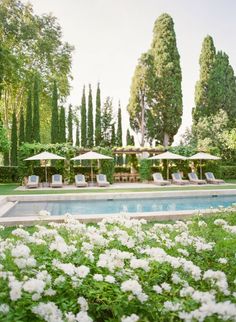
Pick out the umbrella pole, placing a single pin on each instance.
(167, 169)
(201, 169)
(46, 175)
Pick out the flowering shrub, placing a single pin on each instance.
(120, 270)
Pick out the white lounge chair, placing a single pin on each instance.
(193, 178)
(80, 181)
(56, 181)
(102, 180)
(177, 179)
(211, 178)
(158, 179)
(33, 182)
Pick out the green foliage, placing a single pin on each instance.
(113, 135)
(70, 125)
(54, 118)
(14, 140)
(227, 172)
(90, 119)
(119, 128)
(29, 119)
(22, 128)
(62, 125)
(107, 167)
(77, 138)
(106, 122)
(4, 142)
(83, 121)
(9, 174)
(145, 172)
(36, 120)
(98, 134)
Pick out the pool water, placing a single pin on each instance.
(115, 206)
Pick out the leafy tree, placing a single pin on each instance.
(62, 125)
(77, 139)
(22, 128)
(4, 142)
(36, 120)
(166, 94)
(113, 135)
(83, 121)
(106, 122)
(98, 134)
(14, 140)
(29, 124)
(54, 117)
(70, 125)
(202, 91)
(90, 119)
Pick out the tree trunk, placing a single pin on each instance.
(166, 140)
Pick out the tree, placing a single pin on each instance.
(36, 120)
(106, 122)
(14, 140)
(83, 121)
(77, 138)
(98, 134)
(166, 94)
(22, 128)
(54, 117)
(113, 135)
(62, 125)
(29, 124)
(4, 142)
(90, 119)
(70, 125)
(202, 91)
(119, 128)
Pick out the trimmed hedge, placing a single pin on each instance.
(9, 174)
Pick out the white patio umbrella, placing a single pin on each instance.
(167, 156)
(45, 156)
(91, 156)
(203, 156)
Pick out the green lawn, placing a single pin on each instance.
(9, 189)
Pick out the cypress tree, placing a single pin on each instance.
(113, 135)
(29, 124)
(77, 142)
(62, 125)
(36, 120)
(54, 118)
(22, 128)
(70, 125)
(90, 118)
(14, 140)
(166, 103)
(98, 134)
(206, 62)
(119, 128)
(83, 121)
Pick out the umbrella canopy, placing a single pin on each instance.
(203, 156)
(168, 156)
(45, 156)
(92, 156)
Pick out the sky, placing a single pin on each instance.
(109, 36)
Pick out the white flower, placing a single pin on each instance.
(110, 279)
(83, 317)
(166, 286)
(83, 304)
(131, 318)
(60, 279)
(82, 271)
(157, 289)
(139, 263)
(34, 285)
(98, 277)
(20, 251)
(223, 260)
(4, 308)
(220, 222)
(170, 306)
(48, 311)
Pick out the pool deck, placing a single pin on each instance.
(7, 202)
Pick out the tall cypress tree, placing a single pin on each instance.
(207, 62)
(14, 140)
(54, 118)
(77, 139)
(29, 124)
(83, 121)
(22, 127)
(98, 134)
(36, 120)
(70, 125)
(62, 125)
(119, 128)
(113, 135)
(90, 119)
(166, 103)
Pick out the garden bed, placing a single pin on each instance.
(120, 270)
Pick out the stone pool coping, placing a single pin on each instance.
(6, 202)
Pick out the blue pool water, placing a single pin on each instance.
(110, 206)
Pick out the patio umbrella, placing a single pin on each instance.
(45, 156)
(92, 156)
(203, 156)
(167, 156)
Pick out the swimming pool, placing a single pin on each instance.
(121, 205)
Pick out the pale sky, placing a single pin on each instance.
(110, 35)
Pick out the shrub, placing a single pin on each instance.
(9, 174)
(145, 170)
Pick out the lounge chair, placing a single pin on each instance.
(158, 179)
(177, 179)
(193, 178)
(33, 182)
(56, 181)
(211, 178)
(102, 180)
(80, 181)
